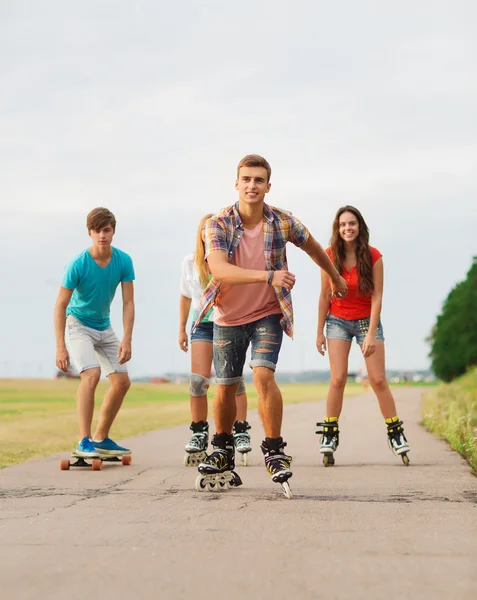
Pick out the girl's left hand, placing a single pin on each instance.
(369, 345)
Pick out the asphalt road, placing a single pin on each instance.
(369, 527)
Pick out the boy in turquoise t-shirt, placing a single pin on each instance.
(82, 309)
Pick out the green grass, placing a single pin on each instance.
(450, 411)
(38, 417)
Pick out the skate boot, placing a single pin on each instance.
(242, 440)
(330, 439)
(278, 463)
(397, 440)
(217, 470)
(197, 447)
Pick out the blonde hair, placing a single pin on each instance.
(202, 266)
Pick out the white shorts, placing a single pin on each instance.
(90, 348)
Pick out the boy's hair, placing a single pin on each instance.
(99, 218)
(255, 160)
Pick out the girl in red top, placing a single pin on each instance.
(356, 315)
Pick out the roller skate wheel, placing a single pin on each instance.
(287, 490)
(405, 459)
(222, 485)
(200, 484)
(97, 464)
(187, 462)
(65, 465)
(126, 460)
(328, 460)
(210, 485)
(245, 459)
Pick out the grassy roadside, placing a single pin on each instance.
(38, 417)
(450, 411)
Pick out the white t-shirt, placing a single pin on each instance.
(191, 287)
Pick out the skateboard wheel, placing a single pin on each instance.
(65, 465)
(97, 464)
(126, 460)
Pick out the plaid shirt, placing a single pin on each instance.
(223, 233)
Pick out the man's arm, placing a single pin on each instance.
(62, 356)
(224, 272)
(125, 347)
(319, 256)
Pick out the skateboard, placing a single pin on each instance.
(96, 464)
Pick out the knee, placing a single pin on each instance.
(122, 385)
(339, 380)
(198, 385)
(263, 378)
(91, 378)
(379, 382)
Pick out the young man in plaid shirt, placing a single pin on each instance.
(251, 290)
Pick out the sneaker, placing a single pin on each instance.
(396, 439)
(276, 461)
(242, 437)
(329, 430)
(200, 437)
(85, 449)
(222, 458)
(109, 448)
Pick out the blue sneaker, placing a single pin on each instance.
(85, 449)
(109, 448)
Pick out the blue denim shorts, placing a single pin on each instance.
(231, 344)
(203, 333)
(341, 329)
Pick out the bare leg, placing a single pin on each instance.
(377, 378)
(270, 401)
(120, 384)
(225, 408)
(201, 362)
(241, 407)
(338, 352)
(85, 400)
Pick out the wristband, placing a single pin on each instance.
(270, 277)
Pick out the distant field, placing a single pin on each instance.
(38, 417)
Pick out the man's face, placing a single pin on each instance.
(103, 237)
(252, 184)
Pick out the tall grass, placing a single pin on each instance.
(450, 411)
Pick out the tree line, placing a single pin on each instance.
(454, 336)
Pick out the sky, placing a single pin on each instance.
(146, 108)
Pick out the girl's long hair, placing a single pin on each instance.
(202, 266)
(363, 254)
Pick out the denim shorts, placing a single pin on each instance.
(231, 344)
(341, 329)
(203, 333)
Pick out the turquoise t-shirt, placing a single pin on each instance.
(94, 286)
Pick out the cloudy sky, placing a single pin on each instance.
(147, 107)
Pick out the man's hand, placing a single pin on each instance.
(283, 279)
(183, 341)
(339, 287)
(321, 343)
(369, 345)
(62, 359)
(124, 351)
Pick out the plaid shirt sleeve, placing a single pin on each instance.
(298, 233)
(215, 237)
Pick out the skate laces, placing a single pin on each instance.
(219, 458)
(198, 439)
(242, 438)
